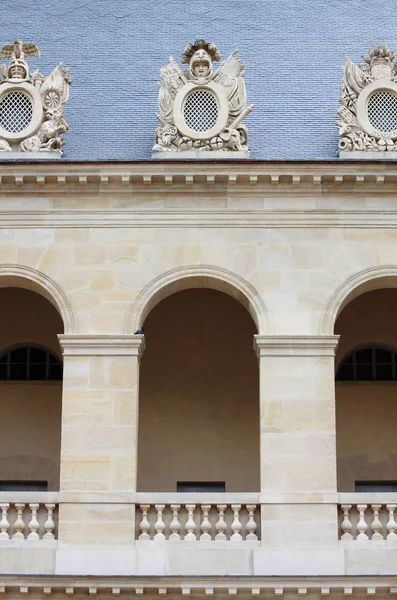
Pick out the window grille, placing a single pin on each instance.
(16, 111)
(382, 111)
(372, 363)
(200, 110)
(29, 363)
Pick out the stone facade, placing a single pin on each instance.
(292, 246)
(198, 444)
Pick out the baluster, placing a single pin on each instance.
(144, 525)
(190, 523)
(205, 523)
(159, 524)
(19, 524)
(236, 525)
(4, 523)
(251, 524)
(391, 524)
(34, 524)
(346, 524)
(175, 525)
(376, 525)
(49, 525)
(361, 525)
(220, 525)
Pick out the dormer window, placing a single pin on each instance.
(368, 111)
(31, 106)
(201, 109)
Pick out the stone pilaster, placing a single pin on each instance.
(99, 453)
(298, 454)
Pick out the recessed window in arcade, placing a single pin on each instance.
(30, 363)
(371, 363)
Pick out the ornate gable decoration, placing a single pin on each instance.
(31, 106)
(202, 110)
(368, 111)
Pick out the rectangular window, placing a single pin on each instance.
(23, 486)
(200, 486)
(376, 486)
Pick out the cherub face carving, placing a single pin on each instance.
(200, 63)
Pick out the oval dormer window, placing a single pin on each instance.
(201, 110)
(16, 111)
(382, 111)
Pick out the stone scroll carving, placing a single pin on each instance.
(31, 105)
(368, 111)
(201, 109)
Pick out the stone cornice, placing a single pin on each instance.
(102, 345)
(105, 176)
(199, 586)
(298, 345)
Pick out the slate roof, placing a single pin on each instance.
(294, 51)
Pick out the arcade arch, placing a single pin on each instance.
(365, 389)
(30, 398)
(199, 391)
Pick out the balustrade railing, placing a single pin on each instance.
(198, 517)
(28, 516)
(364, 517)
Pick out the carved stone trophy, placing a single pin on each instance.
(31, 106)
(368, 111)
(202, 110)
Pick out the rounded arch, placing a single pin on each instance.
(373, 278)
(31, 279)
(203, 276)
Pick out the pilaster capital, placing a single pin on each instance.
(295, 345)
(102, 345)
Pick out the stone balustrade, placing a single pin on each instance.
(28, 516)
(198, 517)
(368, 517)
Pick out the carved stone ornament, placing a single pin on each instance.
(202, 110)
(31, 106)
(368, 111)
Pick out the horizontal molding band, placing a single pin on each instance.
(200, 586)
(102, 345)
(262, 219)
(104, 175)
(299, 345)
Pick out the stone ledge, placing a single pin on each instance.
(298, 345)
(366, 155)
(26, 156)
(102, 345)
(200, 155)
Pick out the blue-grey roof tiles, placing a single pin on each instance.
(294, 52)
